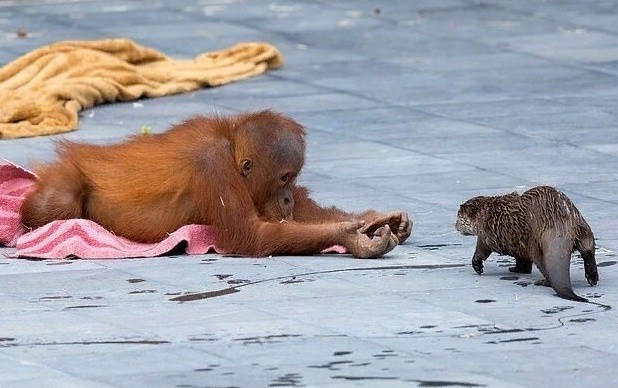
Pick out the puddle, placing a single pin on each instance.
(362, 378)
(203, 339)
(580, 320)
(556, 309)
(85, 306)
(512, 277)
(331, 365)
(385, 354)
(44, 298)
(292, 281)
(143, 292)
(606, 263)
(288, 380)
(238, 281)
(205, 295)
(274, 338)
(409, 332)
(341, 353)
(222, 276)
(102, 342)
(361, 364)
(135, 280)
(438, 383)
(484, 301)
(514, 340)
(435, 247)
(500, 331)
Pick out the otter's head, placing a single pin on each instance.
(469, 216)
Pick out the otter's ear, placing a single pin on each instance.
(468, 209)
(245, 167)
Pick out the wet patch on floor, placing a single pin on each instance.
(494, 330)
(222, 276)
(484, 301)
(435, 247)
(410, 332)
(85, 306)
(580, 320)
(525, 339)
(238, 281)
(55, 297)
(606, 263)
(385, 354)
(143, 292)
(363, 378)
(205, 295)
(341, 353)
(288, 380)
(135, 280)
(439, 383)
(510, 277)
(268, 339)
(208, 368)
(556, 309)
(504, 261)
(205, 338)
(523, 283)
(93, 342)
(292, 280)
(333, 365)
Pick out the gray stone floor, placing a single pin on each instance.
(413, 105)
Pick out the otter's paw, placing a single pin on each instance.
(478, 266)
(592, 277)
(542, 282)
(517, 269)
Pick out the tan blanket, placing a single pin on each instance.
(42, 92)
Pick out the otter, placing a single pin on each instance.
(540, 226)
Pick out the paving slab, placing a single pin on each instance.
(411, 105)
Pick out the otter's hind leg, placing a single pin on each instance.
(521, 266)
(585, 246)
(58, 195)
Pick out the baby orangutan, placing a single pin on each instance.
(236, 173)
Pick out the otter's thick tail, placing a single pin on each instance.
(557, 262)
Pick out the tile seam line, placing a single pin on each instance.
(438, 115)
(62, 372)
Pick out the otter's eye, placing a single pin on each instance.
(285, 178)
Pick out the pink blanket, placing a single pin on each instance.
(83, 238)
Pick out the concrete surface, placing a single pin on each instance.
(413, 105)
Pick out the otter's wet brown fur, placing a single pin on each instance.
(540, 226)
